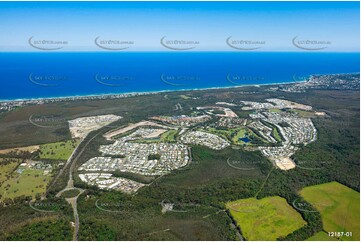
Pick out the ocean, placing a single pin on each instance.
(63, 74)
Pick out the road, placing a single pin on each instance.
(73, 203)
(70, 185)
(65, 166)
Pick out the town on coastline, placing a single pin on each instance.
(157, 146)
(335, 81)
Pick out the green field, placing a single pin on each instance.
(266, 219)
(232, 135)
(28, 183)
(169, 136)
(303, 113)
(321, 236)
(240, 134)
(275, 110)
(276, 134)
(57, 151)
(339, 207)
(7, 166)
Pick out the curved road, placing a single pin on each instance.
(70, 185)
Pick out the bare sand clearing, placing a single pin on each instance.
(30, 149)
(155, 134)
(320, 113)
(116, 132)
(81, 127)
(285, 163)
(301, 106)
(227, 111)
(282, 103)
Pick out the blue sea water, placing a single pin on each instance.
(60, 74)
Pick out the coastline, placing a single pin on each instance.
(132, 94)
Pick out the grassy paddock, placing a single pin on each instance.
(266, 219)
(321, 236)
(339, 207)
(58, 151)
(7, 166)
(28, 183)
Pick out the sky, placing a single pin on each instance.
(204, 26)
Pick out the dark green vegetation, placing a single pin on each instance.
(140, 218)
(20, 221)
(56, 230)
(202, 188)
(134, 176)
(154, 157)
(70, 193)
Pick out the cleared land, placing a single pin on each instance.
(285, 164)
(166, 136)
(116, 132)
(30, 149)
(184, 97)
(169, 136)
(155, 134)
(7, 166)
(275, 110)
(303, 113)
(28, 183)
(58, 151)
(266, 219)
(321, 236)
(339, 207)
(81, 127)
